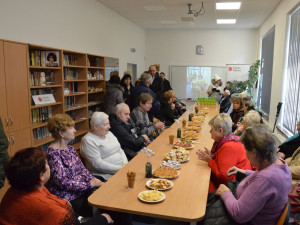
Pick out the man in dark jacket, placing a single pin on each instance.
(125, 131)
(157, 85)
(143, 87)
(3, 153)
(166, 83)
(225, 102)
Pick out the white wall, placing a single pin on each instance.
(178, 47)
(78, 25)
(278, 19)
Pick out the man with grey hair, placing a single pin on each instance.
(126, 131)
(143, 87)
(225, 102)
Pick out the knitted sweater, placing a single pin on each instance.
(142, 121)
(103, 156)
(261, 196)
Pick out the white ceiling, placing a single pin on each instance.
(251, 14)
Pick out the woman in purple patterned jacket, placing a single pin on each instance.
(69, 178)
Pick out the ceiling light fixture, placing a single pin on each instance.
(226, 21)
(228, 5)
(195, 12)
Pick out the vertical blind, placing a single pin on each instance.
(291, 112)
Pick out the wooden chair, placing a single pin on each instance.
(284, 218)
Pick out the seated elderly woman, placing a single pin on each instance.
(294, 166)
(250, 119)
(263, 194)
(69, 179)
(28, 202)
(288, 147)
(168, 112)
(101, 150)
(226, 152)
(140, 117)
(237, 110)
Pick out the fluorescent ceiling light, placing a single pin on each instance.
(228, 5)
(226, 21)
(155, 7)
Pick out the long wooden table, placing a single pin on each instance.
(186, 201)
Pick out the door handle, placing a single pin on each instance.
(13, 140)
(6, 122)
(11, 122)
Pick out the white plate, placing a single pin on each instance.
(163, 189)
(143, 200)
(188, 148)
(166, 177)
(188, 159)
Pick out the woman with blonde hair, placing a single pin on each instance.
(226, 152)
(69, 179)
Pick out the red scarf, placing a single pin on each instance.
(218, 144)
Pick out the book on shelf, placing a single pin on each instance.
(41, 115)
(35, 77)
(70, 87)
(69, 60)
(41, 132)
(44, 58)
(70, 74)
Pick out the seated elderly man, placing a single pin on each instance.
(101, 150)
(126, 132)
(225, 102)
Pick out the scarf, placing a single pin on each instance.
(218, 144)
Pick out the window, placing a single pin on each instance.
(266, 71)
(291, 91)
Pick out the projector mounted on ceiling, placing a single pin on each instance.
(187, 18)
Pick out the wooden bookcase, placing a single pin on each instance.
(77, 84)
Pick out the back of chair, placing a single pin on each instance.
(284, 218)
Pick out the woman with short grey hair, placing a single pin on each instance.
(101, 150)
(226, 152)
(262, 195)
(250, 119)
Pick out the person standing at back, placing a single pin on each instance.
(156, 85)
(166, 83)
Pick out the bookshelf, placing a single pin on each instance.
(77, 82)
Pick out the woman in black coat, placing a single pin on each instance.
(128, 87)
(168, 112)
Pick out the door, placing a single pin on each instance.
(16, 75)
(3, 107)
(132, 67)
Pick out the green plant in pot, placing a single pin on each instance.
(248, 85)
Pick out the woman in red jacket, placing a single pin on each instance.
(226, 152)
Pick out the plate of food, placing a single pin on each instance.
(166, 173)
(184, 143)
(190, 134)
(170, 163)
(152, 196)
(159, 184)
(193, 128)
(179, 154)
(195, 123)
